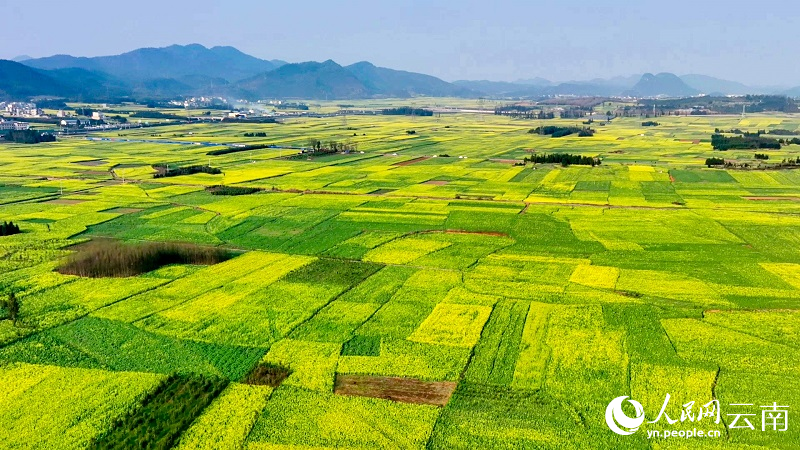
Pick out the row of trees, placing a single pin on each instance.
(155, 115)
(9, 228)
(759, 133)
(749, 141)
(783, 132)
(241, 148)
(231, 190)
(711, 162)
(718, 105)
(298, 106)
(556, 131)
(524, 112)
(164, 171)
(407, 111)
(317, 146)
(739, 131)
(257, 134)
(565, 159)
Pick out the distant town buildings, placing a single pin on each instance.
(20, 109)
(13, 126)
(201, 102)
(97, 115)
(74, 122)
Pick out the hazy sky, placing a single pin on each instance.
(753, 42)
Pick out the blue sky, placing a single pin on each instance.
(752, 42)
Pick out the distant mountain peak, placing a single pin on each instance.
(664, 84)
(175, 61)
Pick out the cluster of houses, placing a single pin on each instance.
(200, 102)
(7, 125)
(21, 109)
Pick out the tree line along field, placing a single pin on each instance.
(433, 265)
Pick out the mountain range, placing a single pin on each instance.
(192, 70)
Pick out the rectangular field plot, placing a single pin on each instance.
(74, 405)
(296, 417)
(595, 276)
(452, 324)
(225, 424)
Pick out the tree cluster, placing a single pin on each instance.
(714, 162)
(28, 137)
(786, 163)
(742, 132)
(11, 307)
(257, 134)
(298, 106)
(155, 115)
(9, 228)
(84, 111)
(317, 146)
(565, 159)
(407, 111)
(231, 190)
(243, 148)
(783, 132)
(650, 123)
(750, 141)
(761, 156)
(718, 105)
(557, 132)
(113, 259)
(164, 171)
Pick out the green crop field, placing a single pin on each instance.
(423, 290)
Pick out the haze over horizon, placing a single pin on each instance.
(506, 41)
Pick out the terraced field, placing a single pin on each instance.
(423, 291)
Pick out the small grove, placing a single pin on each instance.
(28, 137)
(164, 171)
(747, 141)
(107, 258)
(9, 228)
(565, 159)
(556, 132)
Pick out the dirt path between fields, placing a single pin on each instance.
(412, 161)
(406, 390)
(788, 199)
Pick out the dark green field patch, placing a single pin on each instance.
(107, 344)
(496, 354)
(594, 186)
(646, 339)
(701, 176)
(332, 271)
(163, 415)
(362, 346)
